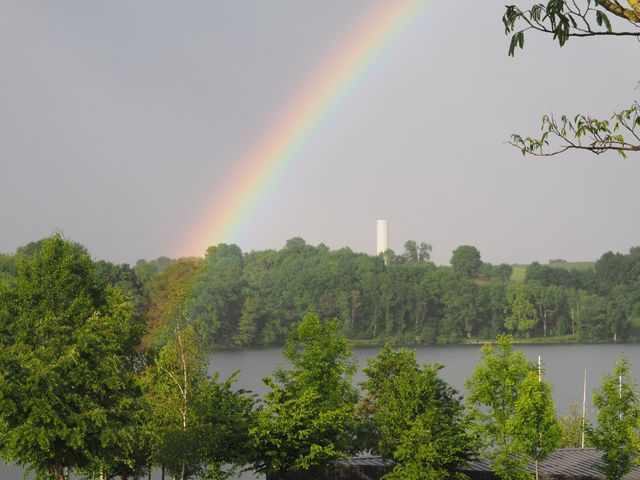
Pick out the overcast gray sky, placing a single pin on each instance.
(119, 121)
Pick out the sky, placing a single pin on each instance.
(120, 123)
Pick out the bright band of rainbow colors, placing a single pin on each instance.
(234, 206)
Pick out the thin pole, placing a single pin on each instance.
(620, 386)
(620, 392)
(539, 369)
(584, 406)
(540, 433)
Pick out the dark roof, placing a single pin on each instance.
(364, 461)
(564, 462)
(570, 463)
(578, 462)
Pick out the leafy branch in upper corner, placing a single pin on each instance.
(571, 18)
(564, 19)
(584, 132)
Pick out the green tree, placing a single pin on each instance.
(418, 420)
(503, 272)
(563, 20)
(493, 394)
(308, 416)
(8, 267)
(461, 299)
(466, 261)
(225, 421)
(493, 309)
(547, 301)
(174, 393)
(534, 426)
(382, 438)
(195, 425)
(619, 310)
(616, 433)
(588, 315)
(147, 270)
(572, 428)
(521, 313)
(162, 291)
(416, 253)
(216, 295)
(67, 391)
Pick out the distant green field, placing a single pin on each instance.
(518, 273)
(519, 270)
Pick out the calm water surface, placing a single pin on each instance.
(564, 369)
(564, 365)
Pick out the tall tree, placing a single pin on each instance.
(416, 253)
(382, 437)
(617, 433)
(162, 291)
(494, 389)
(66, 365)
(194, 423)
(216, 296)
(547, 301)
(466, 261)
(521, 314)
(534, 426)
(308, 416)
(461, 307)
(174, 393)
(418, 419)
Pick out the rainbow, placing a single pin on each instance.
(235, 205)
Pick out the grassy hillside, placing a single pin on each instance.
(519, 270)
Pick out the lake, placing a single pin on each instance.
(564, 368)
(564, 365)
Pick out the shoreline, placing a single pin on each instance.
(379, 343)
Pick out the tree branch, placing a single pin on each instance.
(565, 19)
(620, 11)
(601, 135)
(175, 380)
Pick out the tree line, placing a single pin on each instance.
(253, 299)
(79, 392)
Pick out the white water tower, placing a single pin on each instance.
(382, 230)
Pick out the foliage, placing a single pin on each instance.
(67, 390)
(216, 295)
(162, 291)
(415, 253)
(195, 425)
(522, 313)
(8, 267)
(308, 417)
(616, 433)
(417, 419)
(585, 132)
(466, 261)
(534, 426)
(494, 389)
(462, 307)
(501, 272)
(572, 428)
(565, 19)
(253, 299)
(380, 372)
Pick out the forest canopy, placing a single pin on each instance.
(254, 299)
